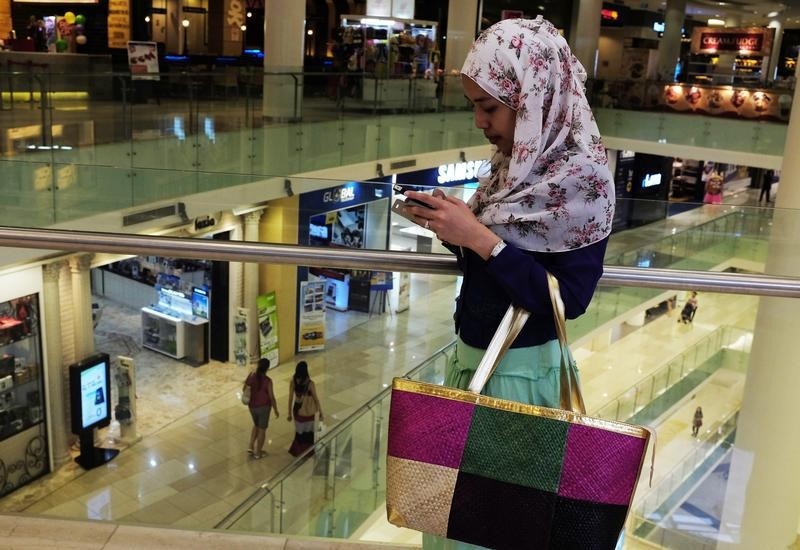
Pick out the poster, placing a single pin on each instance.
(268, 328)
(240, 354)
(312, 316)
(143, 60)
(403, 291)
(119, 23)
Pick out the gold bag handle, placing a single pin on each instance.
(570, 397)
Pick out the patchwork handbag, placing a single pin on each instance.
(503, 474)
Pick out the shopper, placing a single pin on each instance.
(689, 309)
(262, 399)
(547, 205)
(714, 186)
(697, 421)
(303, 408)
(766, 185)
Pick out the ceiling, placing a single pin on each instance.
(748, 12)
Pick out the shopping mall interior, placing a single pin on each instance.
(184, 194)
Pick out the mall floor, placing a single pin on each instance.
(191, 467)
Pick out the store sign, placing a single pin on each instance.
(754, 41)
(143, 60)
(339, 195)
(459, 171)
(119, 23)
(609, 15)
(234, 19)
(403, 9)
(379, 8)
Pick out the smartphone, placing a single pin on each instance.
(401, 189)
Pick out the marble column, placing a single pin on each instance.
(762, 500)
(251, 284)
(82, 305)
(284, 38)
(462, 21)
(585, 34)
(775, 56)
(669, 47)
(57, 421)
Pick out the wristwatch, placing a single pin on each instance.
(498, 248)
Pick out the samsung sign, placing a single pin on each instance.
(461, 171)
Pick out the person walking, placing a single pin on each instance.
(303, 409)
(697, 421)
(766, 185)
(262, 399)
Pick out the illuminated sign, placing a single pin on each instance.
(460, 171)
(341, 194)
(753, 41)
(609, 15)
(658, 27)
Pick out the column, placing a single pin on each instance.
(57, 420)
(251, 283)
(669, 47)
(775, 56)
(462, 21)
(82, 305)
(733, 20)
(763, 494)
(586, 34)
(284, 37)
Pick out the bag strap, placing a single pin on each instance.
(570, 397)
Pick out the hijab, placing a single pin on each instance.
(555, 191)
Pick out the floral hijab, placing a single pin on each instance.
(555, 192)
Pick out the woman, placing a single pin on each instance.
(261, 399)
(697, 421)
(713, 189)
(547, 205)
(303, 408)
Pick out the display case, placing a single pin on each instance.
(163, 333)
(23, 441)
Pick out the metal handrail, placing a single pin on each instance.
(239, 251)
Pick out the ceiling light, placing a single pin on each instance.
(716, 23)
(772, 14)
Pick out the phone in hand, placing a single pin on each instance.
(401, 189)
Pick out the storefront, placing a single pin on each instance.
(24, 443)
(353, 215)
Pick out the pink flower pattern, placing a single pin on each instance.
(554, 192)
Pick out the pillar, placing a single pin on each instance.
(57, 420)
(462, 28)
(251, 284)
(586, 34)
(284, 38)
(775, 56)
(82, 305)
(733, 20)
(763, 494)
(669, 47)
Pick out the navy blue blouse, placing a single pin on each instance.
(519, 276)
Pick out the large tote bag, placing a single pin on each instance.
(504, 474)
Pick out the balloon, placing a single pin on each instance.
(80, 39)
(77, 29)
(70, 17)
(80, 19)
(61, 45)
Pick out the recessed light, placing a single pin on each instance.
(772, 14)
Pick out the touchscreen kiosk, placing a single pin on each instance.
(89, 386)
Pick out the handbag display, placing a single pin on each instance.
(504, 474)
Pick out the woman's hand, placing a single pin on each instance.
(453, 222)
(289, 417)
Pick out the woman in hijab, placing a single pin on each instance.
(546, 206)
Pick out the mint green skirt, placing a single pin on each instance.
(528, 375)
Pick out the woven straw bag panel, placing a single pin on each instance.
(418, 495)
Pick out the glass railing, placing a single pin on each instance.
(693, 360)
(334, 487)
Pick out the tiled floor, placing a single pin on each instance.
(190, 468)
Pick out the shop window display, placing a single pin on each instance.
(23, 449)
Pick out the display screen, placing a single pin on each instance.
(200, 302)
(651, 180)
(94, 393)
(89, 384)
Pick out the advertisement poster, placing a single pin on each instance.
(94, 392)
(240, 337)
(403, 291)
(119, 23)
(312, 316)
(143, 60)
(268, 327)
